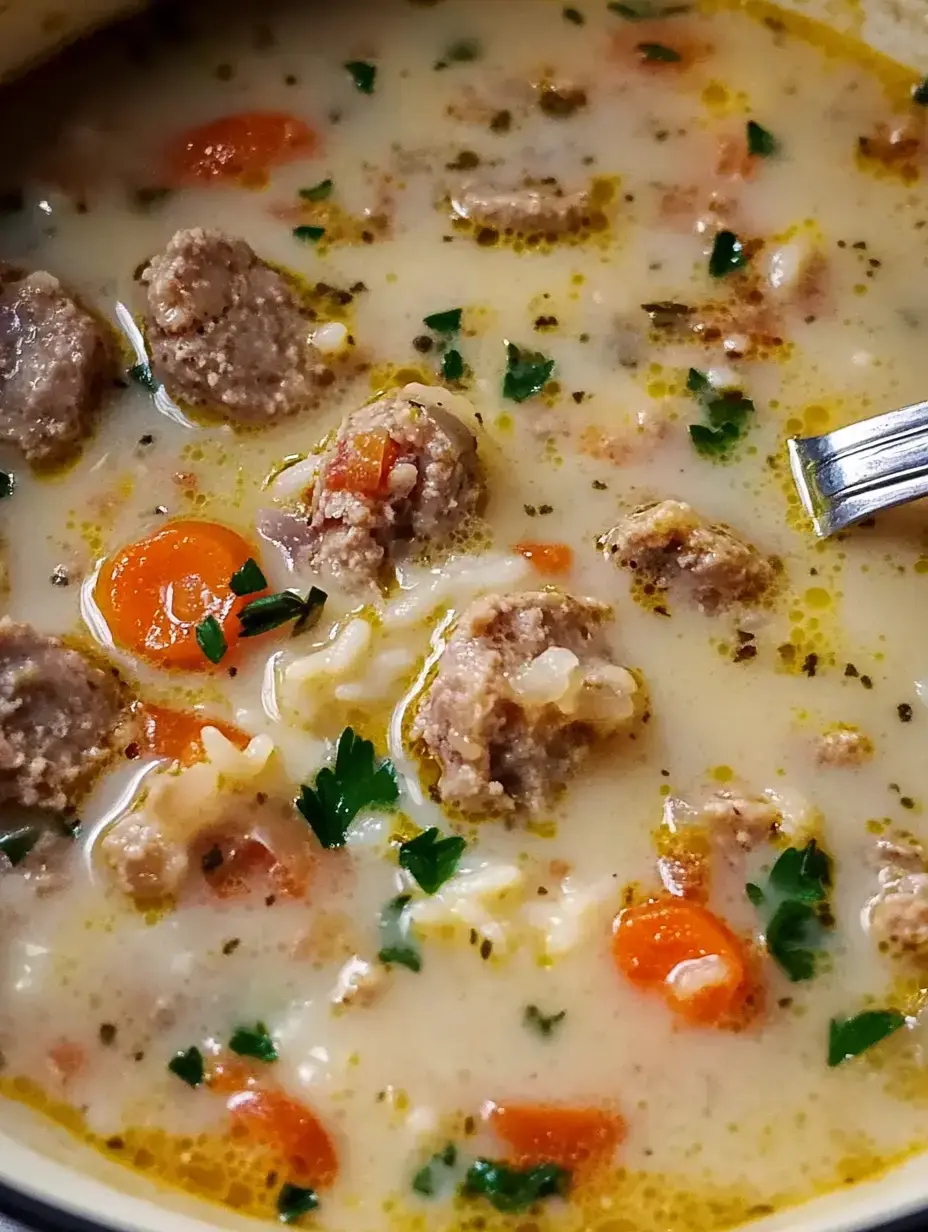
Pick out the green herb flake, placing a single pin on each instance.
(698, 383)
(430, 859)
(452, 366)
(761, 143)
(574, 16)
(294, 1201)
(802, 873)
(142, 375)
(511, 1190)
(254, 1042)
(728, 414)
(339, 793)
(211, 639)
(363, 74)
(16, 844)
(658, 53)
(248, 579)
(307, 234)
(644, 10)
(527, 373)
(727, 255)
(271, 611)
(431, 1179)
(920, 93)
(317, 192)
(7, 484)
(849, 1037)
(448, 322)
(796, 899)
(188, 1066)
(544, 1024)
(396, 945)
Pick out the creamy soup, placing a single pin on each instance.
(444, 780)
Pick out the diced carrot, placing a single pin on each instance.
(555, 1134)
(551, 559)
(67, 1058)
(363, 463)
(241, 147)
(679, 948)
(230, 1074)
(290, 1129)
(153, 593)
(178, 734)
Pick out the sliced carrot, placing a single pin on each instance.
(153, 593)
(551, 559)
(363, 463)
(290, 1129)
(178, 734)
(240, 147)
(680, 949)
(552, 1133)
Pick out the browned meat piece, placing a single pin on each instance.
(227, 331)
(525, 687)
(53, 363)
(897, 915)
(843, 746)
(58, 716)
(537, 209)
(670, 542)
(746, 819)
(397, 470)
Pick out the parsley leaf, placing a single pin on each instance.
(142, 374)
(697, 382)
(363, 75)
(515, 1189)
(713, 442)
(294, 1201)
(544, 1024)
(849, 1037)
(317, 192)
(339, 794)
(761, 142)
(7, 484)
(727, 412)
(794, 933)
(16, 844)
(308, 235)
(272, 611)
(797, 897)
(248, 578)
(574, 16)
(431, 859)
(727, 254)
(658, 53)
(396, 945)
(920, 93)
(644, 10)
(211, 639)
(254, 1042)
(452, 366)
(444, 322)
(527, 373)
(188, 1066)
(803, 874)
(431, 1178)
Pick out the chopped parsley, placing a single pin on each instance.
(644, 10)
(448, 322)
(574, 16)
(142, 375)
(272, 611)
(211, 639)
(363, 74)
(188, 1066)
(849, 1037)
(340, 792)
(727, 254)
(452, 365)
(658, 53)
(7, 484)
(248, 579)
(515, 1189)
(796, 902)
(307, 234)
(396, 945)
(254, 1042)
(920, 93)
(16, 844)
(544, 1024)
(431, 859)
(527, 373)
(293, 1201)
(727, 416)
(761, 143)
(431, 1179)
(317, 192)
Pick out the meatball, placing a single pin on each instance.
(228, 332)
(669, 543)
(897, 915)
(53, 362)
(747, 820)
(524, 688)
(58, 717)
(397, 470)
(541, 209)
(843, 746)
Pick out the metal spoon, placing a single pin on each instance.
(854, 472)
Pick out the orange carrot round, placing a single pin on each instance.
(178, 734)
(153, 593)
(363, 463)
(239, 147)
(680, 949)
(290, 1129)
(555, 1134)
(551, 559)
